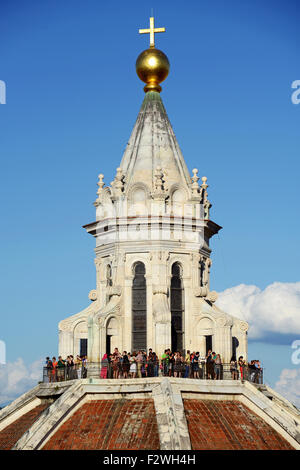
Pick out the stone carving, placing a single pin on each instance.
(204, 199)
(244, 326)
(206, 273)
(100, 189)
(93, 295)
(118, 183)
(112, 307)
(161, 309)
(201, 291)
(202, 269)
(195, 185)
(212, 296)
(221, 321)
(114, 290)
(66, 325)
(158, 192)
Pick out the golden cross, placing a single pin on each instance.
(152, 30)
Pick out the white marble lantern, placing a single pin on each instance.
(153, 260)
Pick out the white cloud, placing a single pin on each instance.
(275, 309)
(17, 378)
(288, 385)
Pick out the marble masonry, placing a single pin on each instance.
(153, 258)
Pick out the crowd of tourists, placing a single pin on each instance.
(141, 364)
(174, 364)
(66, 369)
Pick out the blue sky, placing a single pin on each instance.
(72, 99)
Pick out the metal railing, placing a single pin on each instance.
(162, 368)
(61, 374)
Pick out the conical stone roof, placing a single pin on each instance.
(153, 144)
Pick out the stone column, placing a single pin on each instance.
(202, 345)
(243, 340)
(161, 319)
(128, 312)
(187, 299)
(93, 347)
(149, 312)
(65, 343)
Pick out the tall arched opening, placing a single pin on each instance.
(139, 308)
(176, 308)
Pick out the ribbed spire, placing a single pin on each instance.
(153, 144)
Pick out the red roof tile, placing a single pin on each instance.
(109, 424)
(13, 432)
(227, 425)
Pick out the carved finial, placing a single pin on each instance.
(100, 189)
(100, 183)
(204, 185)
(195, 184)
(118, 184)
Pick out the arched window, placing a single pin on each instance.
(139, 308)
(176, 308)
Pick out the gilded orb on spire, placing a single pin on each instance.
(152, 65)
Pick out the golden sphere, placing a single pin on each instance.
(152, 67)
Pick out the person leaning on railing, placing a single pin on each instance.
(187, 364)
(60, 369)
(150, 364)
(78, 367)
(139, 361)
(49, 368)
(110, 366)
(259, 371)
(156, 364)
(165, 362)
(70, 367)
(254, 371)
(234, 369)
(104, 366)
(54, 368)
(209, 365)
(242, 367)
(125, 365)
(218, 365)
(177, 365)
(195, 365)
(133, 365)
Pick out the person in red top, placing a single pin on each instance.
(54, 367)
